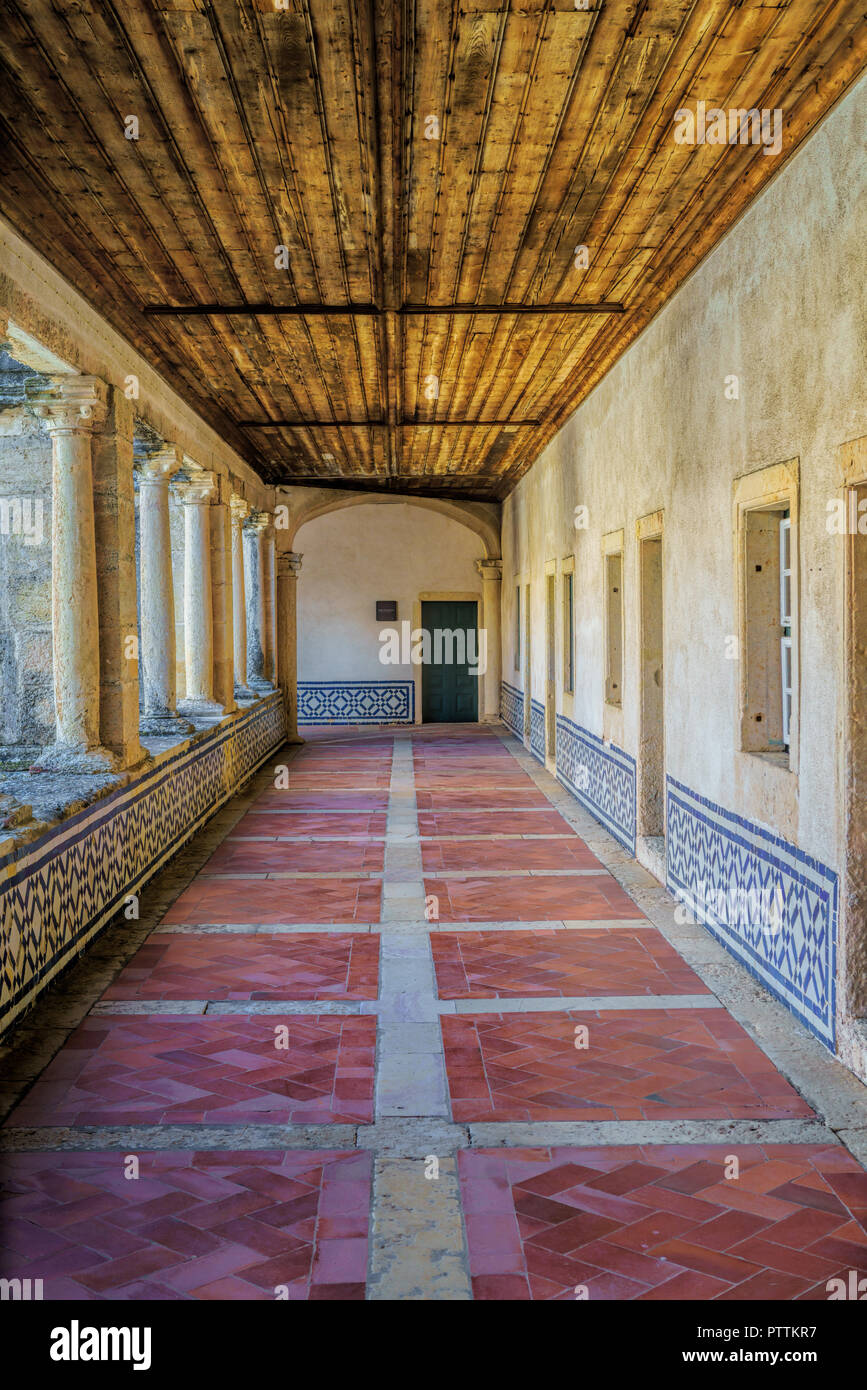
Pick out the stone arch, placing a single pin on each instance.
(306, 504)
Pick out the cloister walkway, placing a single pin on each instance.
(405, 1035)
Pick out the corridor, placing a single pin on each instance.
(405, 1022)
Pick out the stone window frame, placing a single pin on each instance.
(773, 488)
(613, 543)
(567, 630)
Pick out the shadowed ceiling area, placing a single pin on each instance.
(430, 173)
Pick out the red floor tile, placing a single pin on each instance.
(528, 822)
(469, 799)
(311, 823)
(237, 966)
(268, 901)
(464, 855)
(218, 1225)
(322, 800)
(544, 1223)
(490, 964)
(239, 856)
(596, 897)
(188, 1069)
(659, 1064)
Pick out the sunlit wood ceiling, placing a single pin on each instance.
(410, 158)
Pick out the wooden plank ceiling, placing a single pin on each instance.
(419, 153)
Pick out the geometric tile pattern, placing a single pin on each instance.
(490, 964)
(356, 702)
(769, 903)
(599, 775)
(235, 1225)
(235, 966)
(512, 708)
(537, 730)
(190, 1069)
(637, 1065)
(663, 1222)
(586, 897)
(58, 890)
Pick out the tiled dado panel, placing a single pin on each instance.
(601, 776)
(356, 702)
(57, 891)
(768, 903)
(537, 730)
(512, 708)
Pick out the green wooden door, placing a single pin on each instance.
(449, 688)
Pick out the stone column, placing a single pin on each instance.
(72, 407)
(269, 565)
(240, 510)
(156, 597)
(221, 597)
(254, 577)
(288, 569)
(489, 685)
(196, 496)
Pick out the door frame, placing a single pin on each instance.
(445, 596)
(649, 528)
(551, 665)
(852, 956)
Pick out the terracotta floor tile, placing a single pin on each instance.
(469, 799)
(490, 964)
(265, 901)
(322, 800)
(196, 1254)
(640, 1064)
(278, 823)
(239, 856)
(572, 898)
(188, 1069)
(526, 822)
(466, 855)
(650, 1254)
(239, 966)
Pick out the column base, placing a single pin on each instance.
(164, 725)
(490, 719)
(260, 686)
(73, 759)
(295, 738)
(201, 709)
(243, 692)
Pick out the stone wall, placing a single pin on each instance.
(778, 305)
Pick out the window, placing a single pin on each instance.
(517, 642)
(568, 633)
(769, 633)
(614, 627)
(786, 681)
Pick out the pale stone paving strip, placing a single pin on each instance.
(417, 1246)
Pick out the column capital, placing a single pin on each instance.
(490, 569)
(198, 490)
(240, 507)
(258, 521)
(159, 465)
(71, 404)
(289, 562)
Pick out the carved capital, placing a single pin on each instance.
(490, 569)
(159, 466)
(199, 490)
(289, 563)
(240, 508)
(258, 521)
(71, 404)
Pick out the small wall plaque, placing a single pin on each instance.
(386, 610)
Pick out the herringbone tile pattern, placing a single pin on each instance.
(183, 1069)
(662, 1064)
(664, 1222)
(188, 1226)
(312, 965)
(485, 965)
